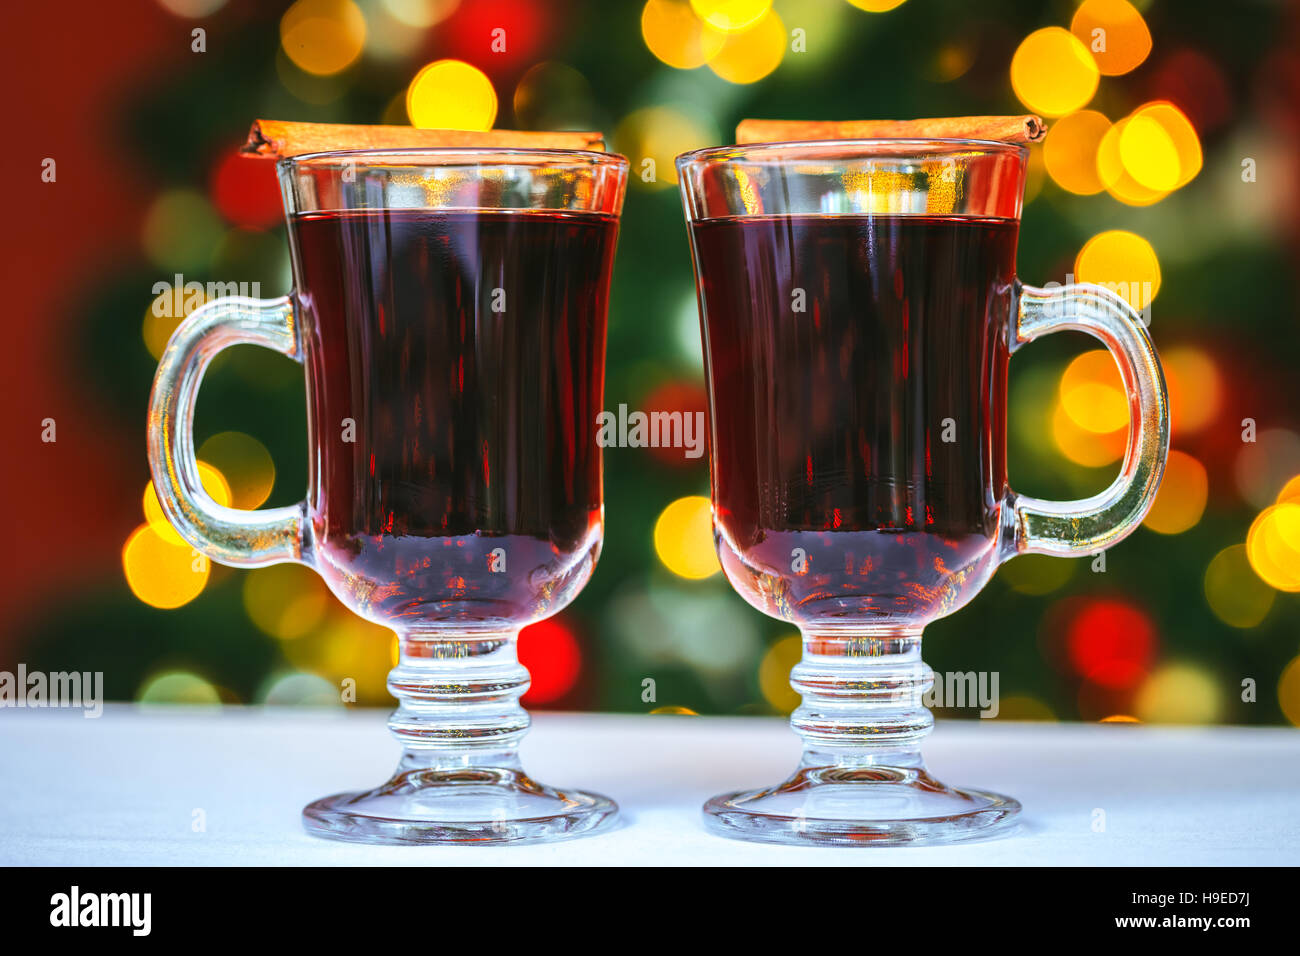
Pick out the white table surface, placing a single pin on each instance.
(122, 789)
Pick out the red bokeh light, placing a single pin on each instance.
(245, 191)
(688, 399)
(550, 652)
(469, 34)
(1111, 643)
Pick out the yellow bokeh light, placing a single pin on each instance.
(1290, 491)
(323, 37)
(877, 6)
(1091, 449)
(1114, 32)
(1288, 691)
(420, 14)
(1123, 262)
(683, 538)
(165, 312)
(774, 673)
(1180, 135)
(1234, 592)
(1070, 151)
(1148, 153)
(1022, 706)
(1273, 546)
(751, 54)
(675, 710)
(1117, 180)
(451, 94)
(286, 601)
(730, 16)
(1053, 73)
(214, 483)
(1120, 719)
(660, 134)
(162, 574)
(676, 36)
(177, 687)
(1195, 390)
(1179, 694)
(1092, 393)
(244, 463)
(1180, 502)
(1037, 573)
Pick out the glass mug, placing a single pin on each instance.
(449, 307)
(859, 306)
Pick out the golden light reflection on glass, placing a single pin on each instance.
(1234, 592)
(1114, 32)
(683, 538)
(1180, 502)
(753, 53)
(451, 94)
(323, 37)
(1053, 73)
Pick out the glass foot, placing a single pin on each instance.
(861, 806)
(473, 805)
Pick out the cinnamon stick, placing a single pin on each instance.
(1006, 129)
(276, 139)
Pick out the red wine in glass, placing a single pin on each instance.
(858, 367)
(456, 369)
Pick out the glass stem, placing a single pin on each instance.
(863, 696)
(458, 700)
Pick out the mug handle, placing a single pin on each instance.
(1088, 525)
(232, 536)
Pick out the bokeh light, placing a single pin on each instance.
(245, 466)
(1288, 691)
(1037, 573)
(660, 133)
(1179, 694)
(1180, 502)
(420, 14)
(214, 483)
(1093, 394)
(1234, 592)
(323, 37)
(1273, 546)
(162, 574)
(1070, 151)
(774, 673)
(676, 36)
(551, 653)
(553, 95)
(731, 16)
(1083, 447)
(1195, 388)
(299, 689)
(1111, 643)
(1053, 73)
(451, 94)
(1024, 706)
(1263, 467)
(165, 312)
(192, 9)
(683, 538)
(181, 230)
(877, 6)
(178, 687)
(1176, 145)
(1123, 262)
(1119, 183)
(1124, 40)
(752, 53)
(287, 601)
(246, 194)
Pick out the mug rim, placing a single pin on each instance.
(741, 151)
(474, 155)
